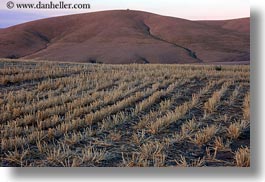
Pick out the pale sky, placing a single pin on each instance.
(187, 9)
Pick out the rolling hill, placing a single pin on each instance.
(127, 36)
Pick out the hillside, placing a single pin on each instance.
(239, 25)
(126, 36)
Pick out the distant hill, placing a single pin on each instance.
(127, 36)
(239, 25)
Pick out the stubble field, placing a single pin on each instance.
(63, 114)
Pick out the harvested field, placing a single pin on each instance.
(137, 115)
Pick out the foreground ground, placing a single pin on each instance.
(62, 114)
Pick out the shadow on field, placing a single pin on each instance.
(253, 172)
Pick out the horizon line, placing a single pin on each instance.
(54, 16)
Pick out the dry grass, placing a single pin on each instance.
(193, 163)
(246, 107)
(70, 115)
(150, 154)
(93, 155)
(189, 126)
(242, 157)
(212, 102)
(219, 143)
(152, 149)
(204, 135)
(234, 130)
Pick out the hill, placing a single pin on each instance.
(126, 36)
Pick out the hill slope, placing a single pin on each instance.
(240, 25)
(126, 36)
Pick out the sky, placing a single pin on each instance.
(187, 9)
